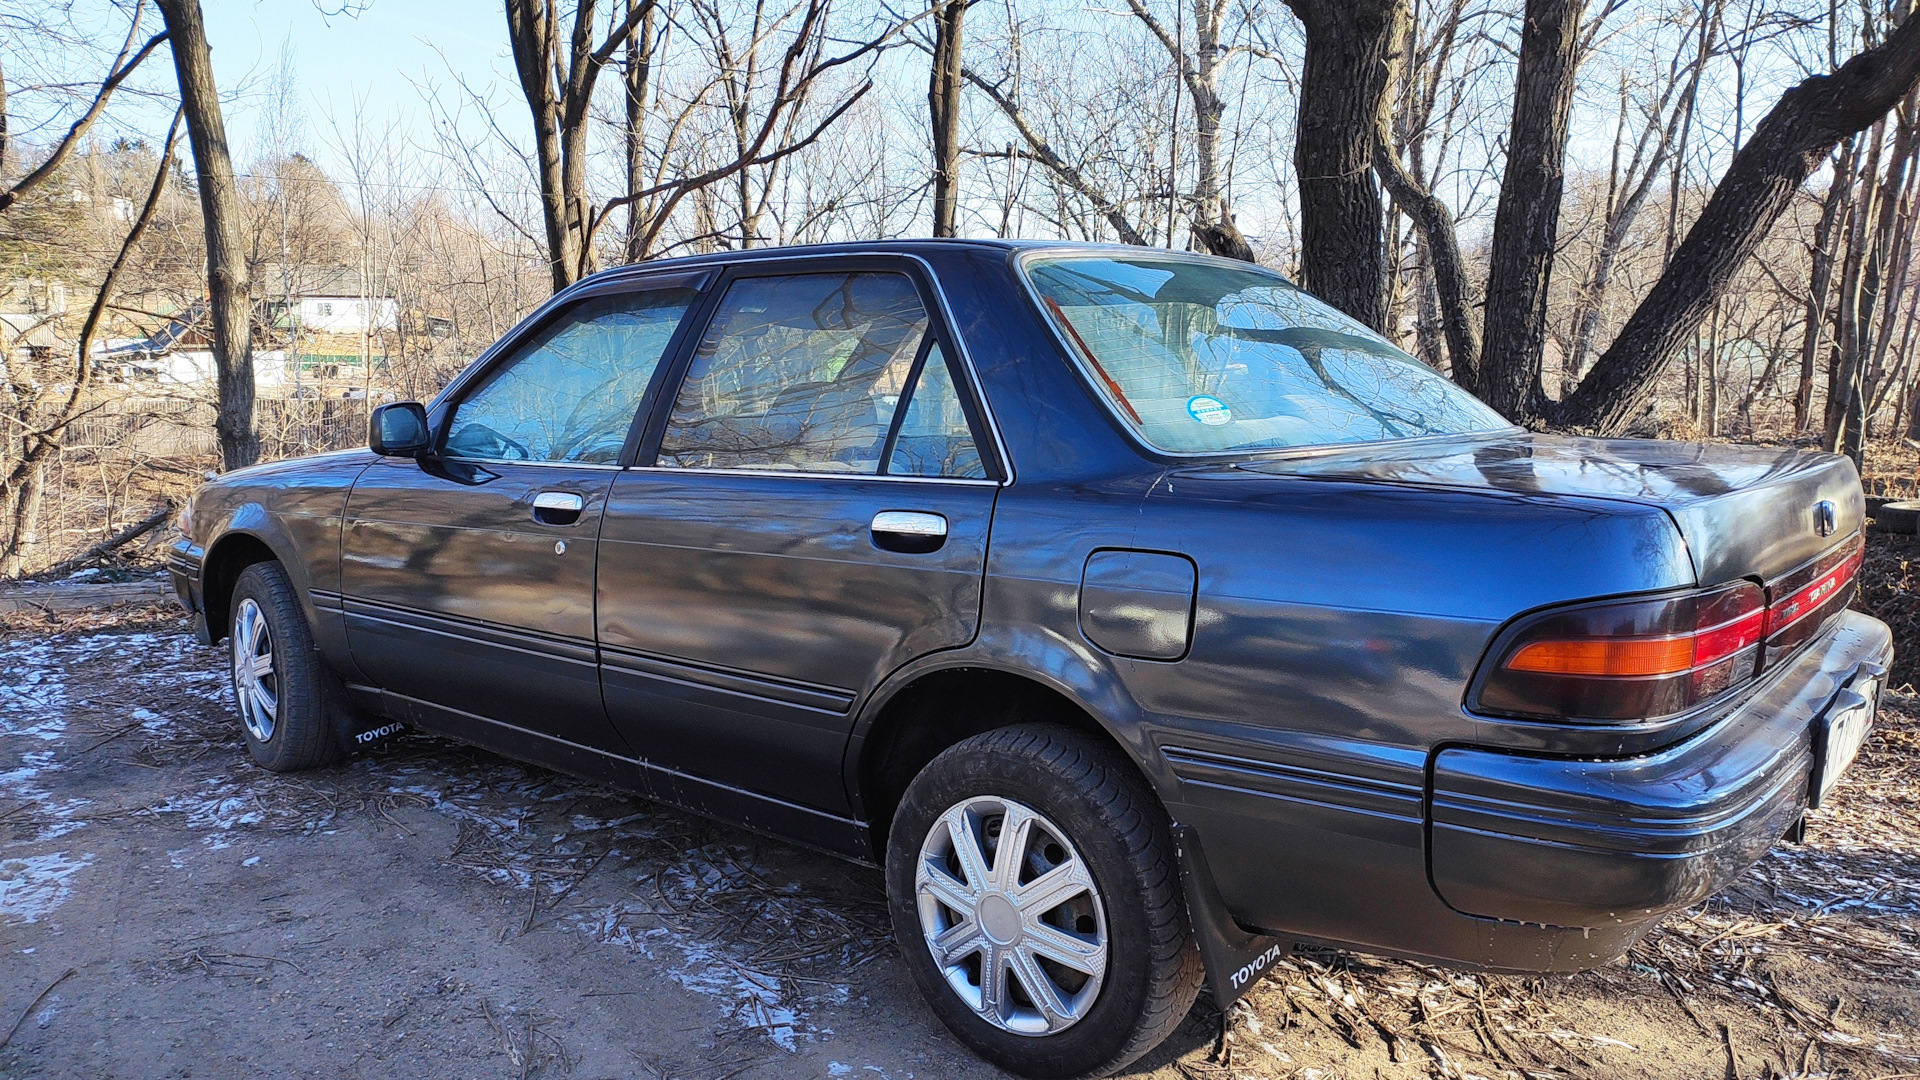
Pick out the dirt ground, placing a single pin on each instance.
(431, 911)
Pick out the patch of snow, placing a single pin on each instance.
(219, 807)
(33, 887)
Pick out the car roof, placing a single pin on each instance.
(920, 246)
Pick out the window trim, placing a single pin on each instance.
(441, 412)
(795, 474)
(1071, 355)
(905, 402)
(926, 284)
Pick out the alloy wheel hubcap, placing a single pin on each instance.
(256, 686)
(1012, 916)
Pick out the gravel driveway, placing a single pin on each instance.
(431, 911)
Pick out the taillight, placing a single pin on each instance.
(1627, 659)
(1805, 599)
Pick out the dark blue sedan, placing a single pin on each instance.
(1141, 615)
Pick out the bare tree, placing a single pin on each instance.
(637, 81)
(944, 83)
(1199, 73)
(24, 483)
(229, 287)
(123, 65)
(1794, 138)
(557, 77)
(767, 120)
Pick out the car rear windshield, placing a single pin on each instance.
(1203, 357)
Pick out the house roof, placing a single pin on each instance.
(272, 280)
(24, 329)
(167, 336)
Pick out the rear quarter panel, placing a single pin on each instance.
(1336, 628)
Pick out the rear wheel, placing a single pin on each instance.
(278, 683)
(1036, 899)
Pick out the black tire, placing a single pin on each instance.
(1898, 517)
(298, 735)
(1118, 830)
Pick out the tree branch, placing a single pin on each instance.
(122, 68)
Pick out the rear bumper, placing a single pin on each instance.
(1512, 862)
(1599, 843)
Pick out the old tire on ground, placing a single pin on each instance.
(278, 683)
(1085, 923)
(1898, 517)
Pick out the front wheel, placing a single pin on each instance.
(1036, 898)
(277, 679)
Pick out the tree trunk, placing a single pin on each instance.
(1790, 142)
(1442, 247)
(530, 28)
(1344, 82)
(1526, 223)
(229, 288)
(943, 112)
(557, 80)
(1839, 193)
(1843, 372)
(1887, 271)
(638, 79)
(23, 521)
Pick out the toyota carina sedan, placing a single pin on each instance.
(1142, 616)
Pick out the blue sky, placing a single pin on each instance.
(379, 49)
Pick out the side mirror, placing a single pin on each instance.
(400, 430)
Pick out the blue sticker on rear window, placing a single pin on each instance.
(1210, 411)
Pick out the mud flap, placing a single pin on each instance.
(1234, 959)
(366, 731)
(355, 728)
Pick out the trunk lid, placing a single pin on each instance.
(1744, 511)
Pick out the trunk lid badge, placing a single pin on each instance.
(1823, 518)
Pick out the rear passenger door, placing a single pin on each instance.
(815, 516)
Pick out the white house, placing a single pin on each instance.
(347, 314)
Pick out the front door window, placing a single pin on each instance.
(571, 392)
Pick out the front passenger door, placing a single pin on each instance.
(469, 577)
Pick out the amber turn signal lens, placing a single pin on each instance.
(1617, 657)
(1631, 660)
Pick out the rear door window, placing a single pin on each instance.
(569, 394)
(808, 372)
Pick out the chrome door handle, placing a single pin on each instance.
(909, 531)
(558, 507)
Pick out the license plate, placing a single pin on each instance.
(1840, 734)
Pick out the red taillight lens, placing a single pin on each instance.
(1801, 602)
(1627, 660)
